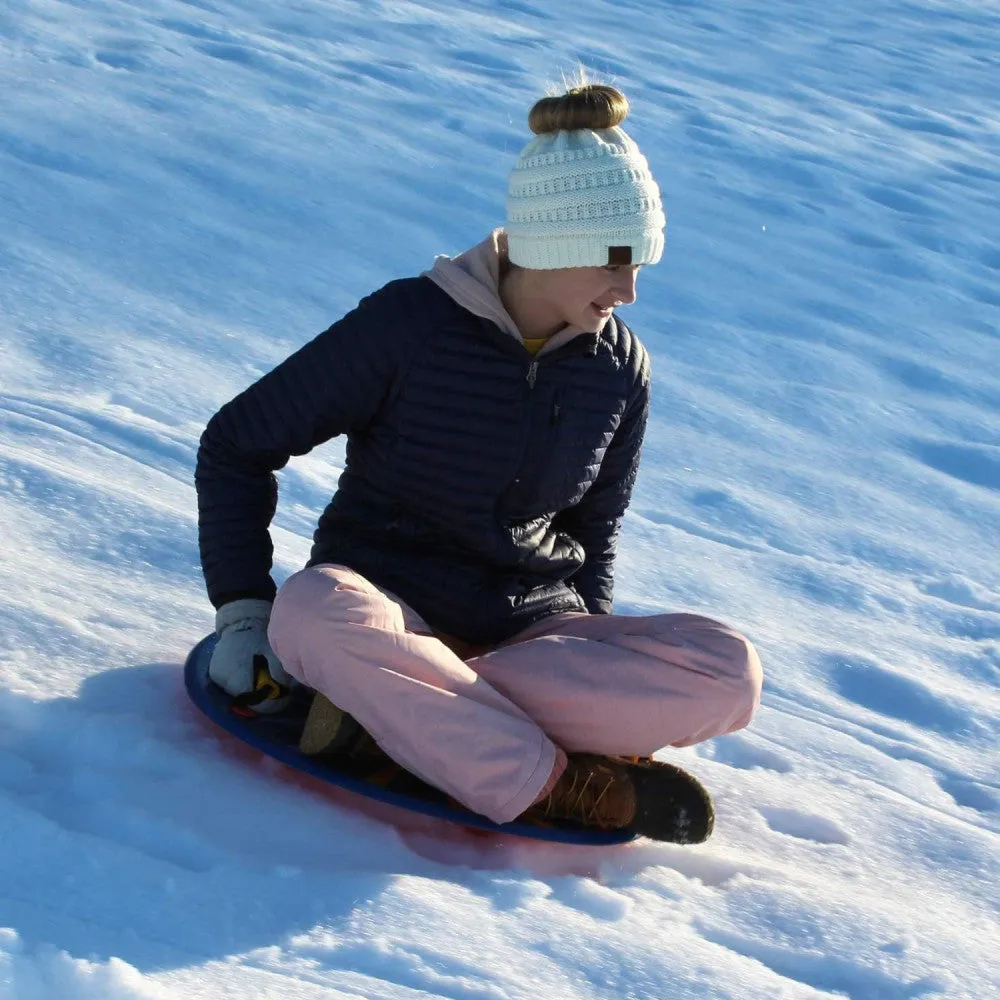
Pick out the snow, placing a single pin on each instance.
(189, 190)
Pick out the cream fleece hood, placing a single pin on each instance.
(472, 279)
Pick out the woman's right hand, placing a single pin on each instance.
(243, 662)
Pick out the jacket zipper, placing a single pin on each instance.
(531, 446)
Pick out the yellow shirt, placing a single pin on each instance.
(534, 345)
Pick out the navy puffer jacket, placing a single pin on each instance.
(482, 486)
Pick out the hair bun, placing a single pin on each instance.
(593, 106)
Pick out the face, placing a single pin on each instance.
(585, 297)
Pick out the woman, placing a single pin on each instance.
(457, 602)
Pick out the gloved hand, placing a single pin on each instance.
(243, 656)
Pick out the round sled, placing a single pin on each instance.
(277, 735)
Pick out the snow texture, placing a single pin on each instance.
(189, 189)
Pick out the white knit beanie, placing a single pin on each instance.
(583, 198)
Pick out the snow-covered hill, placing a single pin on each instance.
(189, 189)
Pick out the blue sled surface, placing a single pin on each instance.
(277, 736)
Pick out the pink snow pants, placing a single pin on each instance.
(491, 729)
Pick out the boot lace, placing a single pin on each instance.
(582, 801)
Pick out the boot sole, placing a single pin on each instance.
(671, 805)
(325, 728)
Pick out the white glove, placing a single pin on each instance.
(243, 652)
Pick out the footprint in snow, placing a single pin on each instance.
(897, 696)
(193, 30)
(587, 896)
(961, 592)
(742, 753)
(897, 200)
(975, 464)
(971, 794)
(118, 60)
(804, 826)
(823, 970)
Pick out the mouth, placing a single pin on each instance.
(604, 310)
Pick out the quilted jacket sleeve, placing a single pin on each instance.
(332, 385)
(596, 520)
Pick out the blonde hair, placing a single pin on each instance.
(588, 106)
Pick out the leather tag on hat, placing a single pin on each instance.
(619, 255)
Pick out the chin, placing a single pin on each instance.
(591, 323)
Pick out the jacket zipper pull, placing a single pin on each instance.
(532, 374)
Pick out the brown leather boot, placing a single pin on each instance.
(593, 791)
(649, 797)
(672, 805)
(329, 729)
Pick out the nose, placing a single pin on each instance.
(624, 285)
